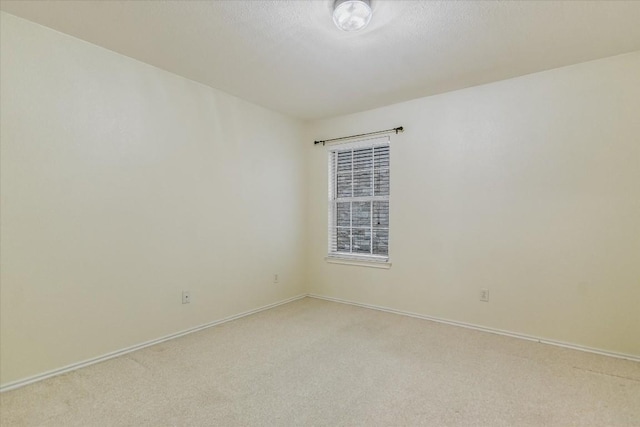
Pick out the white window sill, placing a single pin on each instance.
(358, 262)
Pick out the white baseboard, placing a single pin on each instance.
(484, 329)
(39, 377)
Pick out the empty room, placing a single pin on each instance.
(319, 213)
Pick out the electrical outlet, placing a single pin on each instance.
(484, 295)
(275, 278)
(186, 297)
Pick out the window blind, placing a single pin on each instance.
(359, 177)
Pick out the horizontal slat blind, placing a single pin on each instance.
(359, 199)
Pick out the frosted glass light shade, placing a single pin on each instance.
(351, 15)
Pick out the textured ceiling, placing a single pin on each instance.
(288, 56)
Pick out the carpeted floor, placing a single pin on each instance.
(319, 363)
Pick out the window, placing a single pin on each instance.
(359, 200)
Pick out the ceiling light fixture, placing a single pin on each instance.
(351, 15)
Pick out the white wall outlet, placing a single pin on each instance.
(275, 278)
(484, 295)
(186, 297)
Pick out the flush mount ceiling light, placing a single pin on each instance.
(351, 15)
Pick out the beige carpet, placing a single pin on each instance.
(319, 363)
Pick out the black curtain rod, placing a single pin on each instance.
(396, 130)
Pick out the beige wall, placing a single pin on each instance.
(122, 185)
(529, 187)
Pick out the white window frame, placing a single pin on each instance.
(334, 256)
